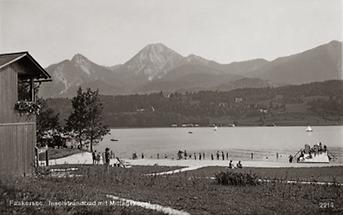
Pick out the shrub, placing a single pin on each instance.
(234, 178)
(27, 107)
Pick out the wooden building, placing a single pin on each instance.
(20, 77)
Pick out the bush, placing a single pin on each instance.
(234, 178)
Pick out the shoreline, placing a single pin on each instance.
(225, 126)
(86, 158)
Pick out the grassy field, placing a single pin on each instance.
(323, 174)
(192, 191)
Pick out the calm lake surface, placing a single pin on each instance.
(239, 142)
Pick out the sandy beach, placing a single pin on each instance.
(86, 158)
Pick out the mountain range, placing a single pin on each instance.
(159, 68)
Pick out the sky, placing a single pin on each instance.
(111, 32)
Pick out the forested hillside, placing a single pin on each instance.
(319, 103)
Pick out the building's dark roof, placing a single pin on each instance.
(28, 60)
(7, 58)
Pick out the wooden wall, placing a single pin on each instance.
(17, 133)
(17, 149)
(9, 96)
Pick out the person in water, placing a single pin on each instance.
(134, 156)
(179, 155)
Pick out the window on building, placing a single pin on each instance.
(24, 90)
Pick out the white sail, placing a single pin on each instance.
(309, 129)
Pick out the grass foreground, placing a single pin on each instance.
(194, 192)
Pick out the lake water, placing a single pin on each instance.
(239, 142)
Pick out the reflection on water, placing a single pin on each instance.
(239, 142)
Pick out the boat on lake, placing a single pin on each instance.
(309, 129)
(113, 140)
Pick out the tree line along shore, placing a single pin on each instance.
(319, 103)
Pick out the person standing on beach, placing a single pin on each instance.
(195, 156)
(203, 156)
(94, 157)
(142, 156)
(217, 155)
(223, 158)
(185, 154)
(199, 156)
(107, 156)
(290, 158)
(212, 156)
(227, 156)
(98, 158)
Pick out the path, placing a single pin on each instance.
(147, 205)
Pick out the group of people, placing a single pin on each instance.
(184, 155)
(202, 156)
(106, 156)
(238, 165)
(312, 151)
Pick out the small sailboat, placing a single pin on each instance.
(309, 129)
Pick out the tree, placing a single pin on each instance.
(86, 119)
(47, 121)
